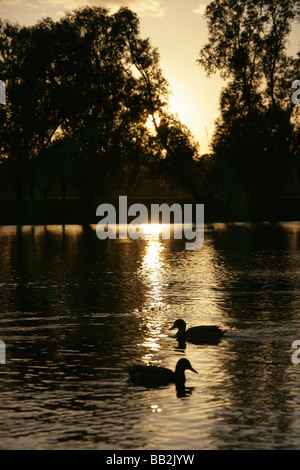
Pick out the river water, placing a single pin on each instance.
(76, 311)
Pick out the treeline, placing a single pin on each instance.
(87, 112)
(87, 108)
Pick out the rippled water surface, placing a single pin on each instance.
(76, 311)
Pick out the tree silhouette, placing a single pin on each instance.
(30, 117)
(80, 94)
(254, 140)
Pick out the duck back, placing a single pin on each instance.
(204, 331)
(151, 376)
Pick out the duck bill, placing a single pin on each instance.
(193, 370)
(172, 327)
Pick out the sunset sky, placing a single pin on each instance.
(178, 29)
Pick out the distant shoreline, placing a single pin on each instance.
(76, 211)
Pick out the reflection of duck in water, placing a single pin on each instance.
(197, 334)
(155, 376)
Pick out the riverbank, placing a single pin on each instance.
(75, 211)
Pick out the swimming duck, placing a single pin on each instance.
(154, 376)
(197, 334)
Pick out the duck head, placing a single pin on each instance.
(179, 376)
(184, 364)
(180, 325)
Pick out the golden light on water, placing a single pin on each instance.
(153, 229)
(151, 344)
(155, 409)
(152, 272)
(152, 267)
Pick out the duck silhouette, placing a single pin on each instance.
(155, 376)
(205, 334)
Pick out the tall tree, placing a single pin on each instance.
(253, 140)
(104, 73)
(88, 83)
(31, 117)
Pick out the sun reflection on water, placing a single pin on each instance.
(152, 273)
(152, 270)
(155, 409)
(153, 230)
